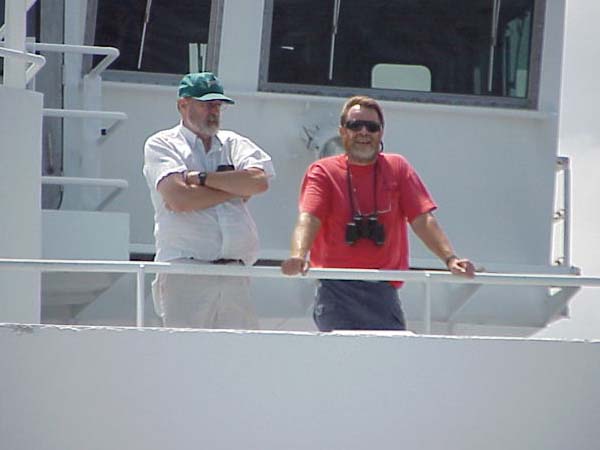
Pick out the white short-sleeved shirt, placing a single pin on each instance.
(223, 231)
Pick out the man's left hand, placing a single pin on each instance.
(461, 267)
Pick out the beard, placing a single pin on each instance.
(210, 126)
(362, 153)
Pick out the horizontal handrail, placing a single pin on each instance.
(101, 182)
(84, 114)
(36, 61)
(110, 53)
(430, 276)
(117, 185)
(115, 116)
(421, 276)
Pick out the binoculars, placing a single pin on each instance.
(365, 227)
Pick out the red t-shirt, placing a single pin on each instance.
(401, 197)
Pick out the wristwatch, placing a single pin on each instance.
(202, 178)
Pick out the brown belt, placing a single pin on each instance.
(227, 261)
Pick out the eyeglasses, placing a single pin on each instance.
(356, 125)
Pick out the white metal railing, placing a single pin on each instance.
(110, 53)
(36, 61)
(28, 5)
(427, 278)
(563, 214)
(117, 185)
(115, 116)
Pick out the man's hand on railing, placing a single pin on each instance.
(294, 266)
(461, 267)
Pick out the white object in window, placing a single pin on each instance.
(401, 76)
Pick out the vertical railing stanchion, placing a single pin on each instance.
(567, 216)
(139, 310)
(427, 305)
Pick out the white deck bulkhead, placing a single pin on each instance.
(73, 388)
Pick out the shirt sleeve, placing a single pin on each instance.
(160, 160)
(315, 192)
(415, 198)
(246, 154)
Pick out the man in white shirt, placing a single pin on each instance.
(200, 178)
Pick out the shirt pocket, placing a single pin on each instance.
(389, 199)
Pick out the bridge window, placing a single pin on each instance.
(160, 37)
(450, 51)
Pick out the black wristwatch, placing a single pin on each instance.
(202, 178)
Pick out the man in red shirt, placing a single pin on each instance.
(353, 213)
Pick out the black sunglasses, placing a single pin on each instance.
(355, 125)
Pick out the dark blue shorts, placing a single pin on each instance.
(357, 305)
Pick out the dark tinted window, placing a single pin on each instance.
(472, 47)
(171, 27)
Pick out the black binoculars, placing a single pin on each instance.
(365, 227)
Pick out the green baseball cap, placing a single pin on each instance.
(203, 86)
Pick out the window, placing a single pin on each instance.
(159, 36)
(451, 51)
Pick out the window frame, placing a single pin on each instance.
(530, 102)
(173, 79)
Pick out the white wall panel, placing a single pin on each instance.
(100, 388)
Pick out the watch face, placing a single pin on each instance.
(202, 178)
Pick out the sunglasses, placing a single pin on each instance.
(356, 125)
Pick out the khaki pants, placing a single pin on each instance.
(204, 301)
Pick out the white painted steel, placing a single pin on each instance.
(139, 310)
(422, 276)
(15, 20)
(110, 53)
(115, 116)
(567, 205)
(28, 5)
(20, 198)
(427, 308)
(117, 185)
(108, 388)
(107, 182)
(84, 114)
(58, 265)
(36, 62)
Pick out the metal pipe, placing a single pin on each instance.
(103, 182)
(567, 207)
(36, 61)
(334, 29)
(144, 28)
(110, 53)
(28, 6)
(51, 265)
(83, 114)
(139, 310)
(117, 185)
(494, 41)
(15, 19)
(427, 306)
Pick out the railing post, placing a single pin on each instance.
(15, 20)
(140, 297)
(427, 305)
(567, 217)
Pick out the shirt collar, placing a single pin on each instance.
(192, 139)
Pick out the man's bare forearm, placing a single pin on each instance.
(303, 236)
(180, 196)
(426, 227)
(429, 231)
(242, 183)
